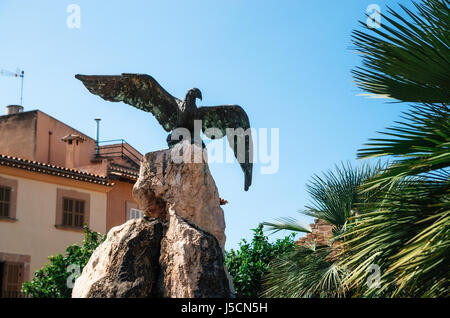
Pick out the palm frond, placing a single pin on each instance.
(420, 144)
(408, 236)
(335, 194)
(304, 273)
(408, 57)
(310, 270)
(287, 223)
(334, 197)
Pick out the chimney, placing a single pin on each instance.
(13, 109)
(73, 150)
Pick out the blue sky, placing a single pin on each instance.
(286, 62)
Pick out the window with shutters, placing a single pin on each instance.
(5, 201)
(132, 211)
(135, 214)
(8, 199)
(72, 209)
(11, 279)
(73, 212)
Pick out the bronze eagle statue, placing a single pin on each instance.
(144, 92)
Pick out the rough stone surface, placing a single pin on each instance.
(178, 181)
(126, 264)
(321, 233)
(150, 258)
(192, 262)
(177, 249)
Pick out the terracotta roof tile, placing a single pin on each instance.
(123, 171)
(44, 168)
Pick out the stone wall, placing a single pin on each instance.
(321, 233)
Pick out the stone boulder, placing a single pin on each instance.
(177, 249)
(191, 262)
(126, 264)
(146, 258)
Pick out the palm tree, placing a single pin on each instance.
(398, 219)
(312, 271)
(406, 228)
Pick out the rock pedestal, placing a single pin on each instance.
(178, 180)
(177, 249)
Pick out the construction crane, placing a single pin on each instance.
(19, 74)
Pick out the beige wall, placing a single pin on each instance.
(57, 153)
(118, 197)
(34, 232)
(18, 134)
(26, 135)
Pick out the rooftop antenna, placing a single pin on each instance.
(20, 74)
(98, 135)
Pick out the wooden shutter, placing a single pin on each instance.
(73, 212)
(5, 200)
(12, 280)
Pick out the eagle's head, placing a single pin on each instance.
(192, 94)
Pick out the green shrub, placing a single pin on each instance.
(56, 278)
(248, 265)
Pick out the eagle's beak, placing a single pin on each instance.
(198, 93)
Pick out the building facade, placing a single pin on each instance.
(53, 180)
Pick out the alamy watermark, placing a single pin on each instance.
(246, 146)
(373, 280)
(74, 19)
(374, 19)
(75, 272)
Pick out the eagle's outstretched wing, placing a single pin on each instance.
(235, 119)
(139, 90)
